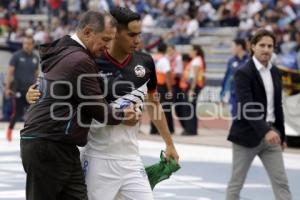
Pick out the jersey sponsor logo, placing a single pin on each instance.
(22, 59)
(140, 71)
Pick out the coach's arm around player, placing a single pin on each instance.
(130, 118)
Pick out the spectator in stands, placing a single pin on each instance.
(15, 39)
(208, 13)
(30, 29)
(22, 72)
(166, 19)
(148, 24)
(245, 26)
(27, 6)
(58, 30)
(180, 7)
(98, 5)
(54, 6)
(13, 20)
(178, 31)
(72, 19)
(74, 6)
(4, 3)
(4, 18)
(192, 28)
(240, 57)
(259, 20)
(40, 36)
(253, 7)
(228, 19)
(287, 9)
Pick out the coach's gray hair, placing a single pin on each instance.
(96, 20)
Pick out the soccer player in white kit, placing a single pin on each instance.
(111, 160)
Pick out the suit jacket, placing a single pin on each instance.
(250, 126)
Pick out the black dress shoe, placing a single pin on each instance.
(185, 133)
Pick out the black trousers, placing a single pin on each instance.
(19, 105)
(167, 107)
(53, 171)
(186, 111)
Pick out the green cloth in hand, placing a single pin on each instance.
(161, 170)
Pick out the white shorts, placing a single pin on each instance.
(109, 179)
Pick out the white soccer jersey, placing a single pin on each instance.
(120, 141)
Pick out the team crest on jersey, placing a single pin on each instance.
(139, 71)
(235, 64)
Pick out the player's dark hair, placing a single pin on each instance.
(241, 42)
(162, 48)
(124, 16)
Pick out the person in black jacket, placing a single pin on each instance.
(60, 120)
(259, 126)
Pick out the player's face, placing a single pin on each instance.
(263, 49)
(130, 38)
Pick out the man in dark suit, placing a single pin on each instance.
(259, 126)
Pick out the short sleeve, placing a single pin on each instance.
(153, 81)
(179, 65)
(14, 60)
(196, 63)
(165, 65)
(38, 62)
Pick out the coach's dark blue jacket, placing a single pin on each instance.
(250, 89)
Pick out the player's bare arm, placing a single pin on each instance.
(154, 110)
